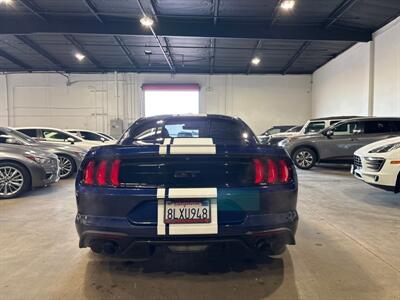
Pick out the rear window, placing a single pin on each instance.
(29, 132)
(221, 130)
(379, 126)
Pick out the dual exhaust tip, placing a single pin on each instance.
(104, 247)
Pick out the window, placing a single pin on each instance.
(186, 129)
(171, 99)
(348, 128)
(90, 136)
(377, 127)
(145, 132)
(228, 130)
(49, 134)
(314, 127)
(29, 132)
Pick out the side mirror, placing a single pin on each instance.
(329, 133)
(102, 139)
(70, 140)
(356, 131)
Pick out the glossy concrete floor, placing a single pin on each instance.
(348, 247)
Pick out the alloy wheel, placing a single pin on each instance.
(11, 181)
(304, 159)
(65, 166)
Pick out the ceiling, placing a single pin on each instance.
(190, 36)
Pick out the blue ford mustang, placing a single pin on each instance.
(186, 182)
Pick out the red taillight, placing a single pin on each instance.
(284, 174)
(101, 173)
(88, 176)
(272, 176)
(114, 174)
(258, 171)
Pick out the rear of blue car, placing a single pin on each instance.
(187, 193)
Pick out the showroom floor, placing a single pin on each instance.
(347, 247)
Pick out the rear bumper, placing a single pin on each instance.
(129, 216)
(125, 235)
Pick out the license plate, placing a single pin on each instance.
(187, 211)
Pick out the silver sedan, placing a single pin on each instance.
(22, 169)
(70, 157)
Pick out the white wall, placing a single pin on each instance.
(90, 101)
(387, 71)
(341, 87)
(364, 80)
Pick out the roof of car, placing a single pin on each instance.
(376, 118)
(336, 118)
(214, 116)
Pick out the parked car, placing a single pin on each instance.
(53, 135)
(311, 126)
(23, 168)
(337, 144)
(378, 164)
(107, 136)
(89, 135)
(217, 186)
(277, 129)
(275, 138)
(69, 156)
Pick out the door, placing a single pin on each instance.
(346, 138)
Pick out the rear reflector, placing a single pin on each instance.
(272, 168)
(101, 173)
(258, 171)
(114, 174)
(88, 176)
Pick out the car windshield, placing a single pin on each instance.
(20, 136)
(295, 129)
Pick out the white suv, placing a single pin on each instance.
(378, 164)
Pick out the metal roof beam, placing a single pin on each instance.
(216, 11)
(275, 13)
(258, 46)
(339, 11)
(179, 28)
(165, 53)
(89, 4)
(126, 51)
(15, 60)
(33, 9)
(296, 56)
(27, 41)
(84, 51)
(213, 50)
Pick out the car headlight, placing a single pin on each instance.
(283, 143)
(42, 160)
(386, 148)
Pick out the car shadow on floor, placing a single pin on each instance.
(207, 275)
(373, 196)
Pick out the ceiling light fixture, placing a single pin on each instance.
(6, 2)
(288, 4)
(79, 56)
(255, 61)
(146, 21)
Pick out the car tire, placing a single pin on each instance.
(67, 166)
(14, 180)
(304, 158)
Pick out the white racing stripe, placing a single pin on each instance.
(179, 146)
(185, 193)
(192, 193)
(160, 211)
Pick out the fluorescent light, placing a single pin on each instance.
(146, 21)
(255, 61)
(79, 56)
(288, 4)
(6, 2)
